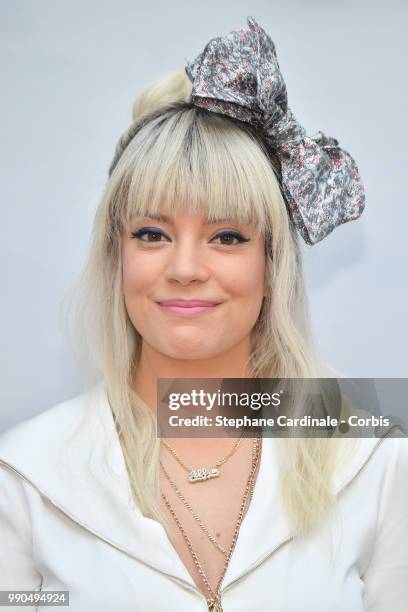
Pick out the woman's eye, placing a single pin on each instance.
(229, 237)
(154, 235)
(153, 232)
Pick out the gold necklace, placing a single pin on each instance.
(214, 601)
(195, 515)
(202, 474)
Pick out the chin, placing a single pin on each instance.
(188, 353)
(187, 348)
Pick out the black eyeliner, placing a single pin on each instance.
(153, 230)
(144, 230)
(236, 235)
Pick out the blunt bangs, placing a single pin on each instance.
(187, 159)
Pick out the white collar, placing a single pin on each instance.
(84, 476)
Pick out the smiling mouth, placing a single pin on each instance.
(187, 310)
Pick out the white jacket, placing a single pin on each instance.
(67, 522)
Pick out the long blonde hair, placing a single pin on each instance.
(177, 155)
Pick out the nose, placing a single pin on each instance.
(187, 262)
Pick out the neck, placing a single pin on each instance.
(153, 365)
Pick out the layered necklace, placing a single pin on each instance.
(201, 474)
(214, 599)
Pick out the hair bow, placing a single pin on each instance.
(238, 75)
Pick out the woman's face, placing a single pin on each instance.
(187, 258)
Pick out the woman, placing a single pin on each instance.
(207, 193)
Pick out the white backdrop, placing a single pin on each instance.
(70, 72)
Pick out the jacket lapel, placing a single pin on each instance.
(265, 527)
(83, 475)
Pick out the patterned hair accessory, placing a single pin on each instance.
(238, 75)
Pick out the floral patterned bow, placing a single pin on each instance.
(238, 75)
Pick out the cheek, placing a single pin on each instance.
(137, 279)
(136, 275)
(246, 279)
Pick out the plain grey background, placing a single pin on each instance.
(70, 72)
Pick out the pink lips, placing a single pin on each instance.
(187, 308)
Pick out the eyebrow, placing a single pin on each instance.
(167, 219)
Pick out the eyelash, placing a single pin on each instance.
(144, 231)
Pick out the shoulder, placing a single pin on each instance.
(69, 455)
(371, 462)
(42, 434)
(395, 457)
(391, 457)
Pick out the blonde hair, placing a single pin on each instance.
(177, 155)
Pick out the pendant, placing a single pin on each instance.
(203, 474)
(214, 605)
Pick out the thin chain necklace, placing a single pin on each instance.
(195, 515)
(214, 601)
(202, 474)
